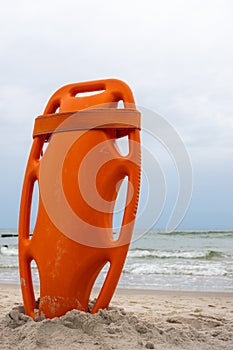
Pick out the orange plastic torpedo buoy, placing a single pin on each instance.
(78, 175)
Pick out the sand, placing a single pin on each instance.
(136, 319)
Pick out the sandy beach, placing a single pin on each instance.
(136, 319)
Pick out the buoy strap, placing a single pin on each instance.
(87, 119)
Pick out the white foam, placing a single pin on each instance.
(179, 269)
(10, 251)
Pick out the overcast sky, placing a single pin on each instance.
(177, 56)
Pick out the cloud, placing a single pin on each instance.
(204, 120)
(176, 55)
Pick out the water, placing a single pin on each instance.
(192, 261)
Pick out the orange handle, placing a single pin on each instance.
(66, 99)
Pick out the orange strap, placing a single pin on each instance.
(87, 119)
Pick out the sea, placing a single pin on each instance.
(180, 261)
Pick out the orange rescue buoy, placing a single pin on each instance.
(78, 175)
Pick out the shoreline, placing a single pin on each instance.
(141, 291)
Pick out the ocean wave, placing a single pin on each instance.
(9, 266)
(9, 250)
(200, 233)
(180, 270)
(178, 254)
